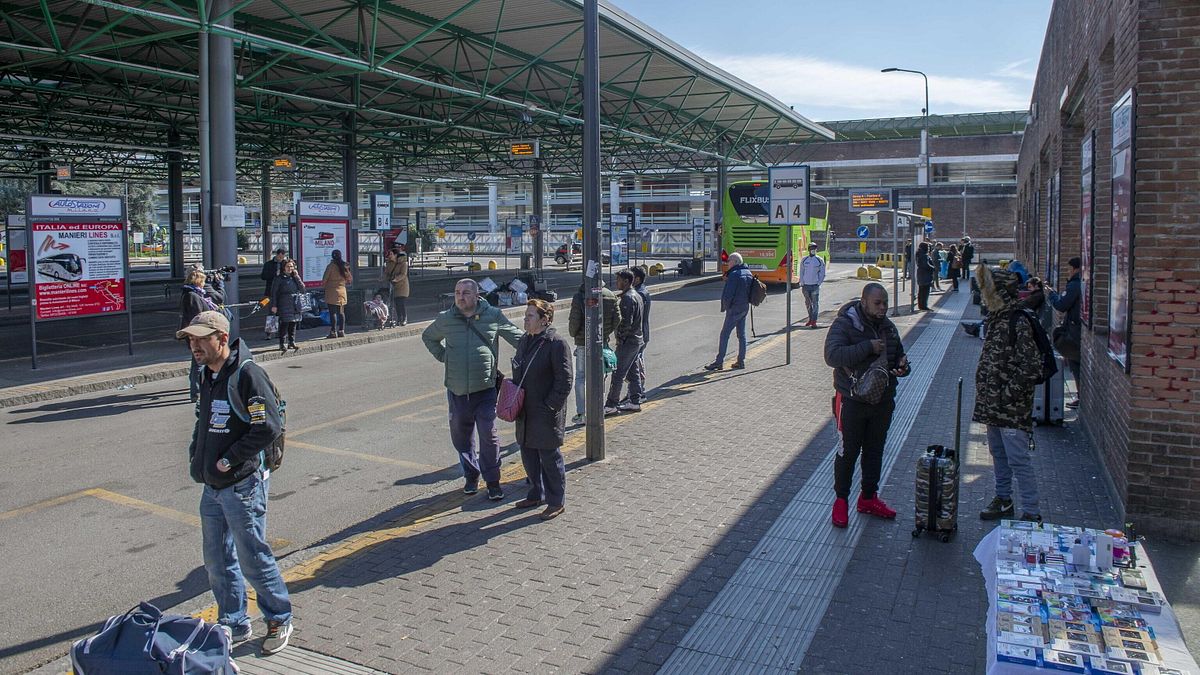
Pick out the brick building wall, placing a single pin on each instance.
(1145, 422)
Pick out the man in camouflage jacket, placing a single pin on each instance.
(1007, 375)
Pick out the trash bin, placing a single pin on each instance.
(355, 297)
(526, 261)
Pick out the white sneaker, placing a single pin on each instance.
(629, 406)
(610, 410)
(277, 637)
(578, 419)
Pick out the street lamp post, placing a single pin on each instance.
(925, 140)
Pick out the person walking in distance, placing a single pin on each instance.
(542, 366)
(284, 294)
(337, 276)
(735, 303)
(812, 275)
(225, 456)
(396, 274)
(466, 338)
(197, 296)
(610, 317)
(637, 374)
(858, 337)
(925, 271)
(629, 341)
(1009, 368)
(1069, 335)
(273, 267)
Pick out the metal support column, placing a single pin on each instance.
(221, 147)
(538, 218)
(175, 202)
(493, 208)
(45, 175)
(265, 215)
(719, 203)
(594, 376)
(350, 186)
(204, 211)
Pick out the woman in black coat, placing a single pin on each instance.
(285, 303)
(542, 366)
(196, 297)
(925, 270)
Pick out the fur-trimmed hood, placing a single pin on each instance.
(999, 289)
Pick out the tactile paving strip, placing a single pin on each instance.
(765, 617)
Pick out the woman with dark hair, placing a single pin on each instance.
(337, 277)
(925, 271)
(954, 263)
(284, 295)
(542, 367)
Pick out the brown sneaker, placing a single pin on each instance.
(528, 503)
(552, 512)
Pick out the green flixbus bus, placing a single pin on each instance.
(747, 229)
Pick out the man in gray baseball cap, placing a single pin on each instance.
(236, 417)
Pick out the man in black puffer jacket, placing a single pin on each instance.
(859, 334)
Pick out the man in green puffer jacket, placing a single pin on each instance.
(466, 339)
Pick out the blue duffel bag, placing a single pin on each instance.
(144, 640)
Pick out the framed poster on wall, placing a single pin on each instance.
(1087, 222)
(1120, 277)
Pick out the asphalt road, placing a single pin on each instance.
(97, 511)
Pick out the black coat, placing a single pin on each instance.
(925, 269)
(283, 294)
(848, 345)
(192, 302)
(271, 269)
(544, 361)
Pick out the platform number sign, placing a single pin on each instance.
(789, 191)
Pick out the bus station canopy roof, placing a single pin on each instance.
(435, 88)
(961, 124)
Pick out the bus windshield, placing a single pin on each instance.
(751, 201)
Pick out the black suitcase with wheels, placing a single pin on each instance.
(937, 484)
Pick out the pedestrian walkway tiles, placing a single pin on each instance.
(765, 617)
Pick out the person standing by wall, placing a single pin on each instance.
(395, 272)
(337, 276)
(812, 275)
(611, 317)
(1009, 367)
(1069, 335)
(542, 366)
(629, 340)
(465, 338)
(284, 294)
(925, 272)
(735, 303)
(859, 336)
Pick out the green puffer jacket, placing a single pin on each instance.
(469, 360)
(1010, 363)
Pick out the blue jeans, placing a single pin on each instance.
(547, 475)
(233, 522)
(812, 298)
(1011, 458)
(474, 414)
(738, 321)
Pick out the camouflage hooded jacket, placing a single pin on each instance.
(1010, 364)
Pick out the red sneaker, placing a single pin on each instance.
(841, 512)
(875, 507)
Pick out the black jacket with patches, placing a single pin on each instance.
(220, 433)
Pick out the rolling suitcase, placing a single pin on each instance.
(937, 484)
(1048, 400)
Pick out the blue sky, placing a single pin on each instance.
(824, 58)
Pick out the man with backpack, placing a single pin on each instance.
(610, 313)
(735, 303)
(1010, 368)
(238, 421)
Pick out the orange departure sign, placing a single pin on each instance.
(524, 149)
(867, 200)
(283, 163)
(64, 172)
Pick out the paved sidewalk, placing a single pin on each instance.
(654, 536)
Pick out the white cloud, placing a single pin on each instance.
(827, 90)
(1014, 70)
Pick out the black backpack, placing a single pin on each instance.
(758, 291)
(1045, 349)
(272, 455)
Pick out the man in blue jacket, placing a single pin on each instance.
(1068, 336)
(735, 303)
(226, 457)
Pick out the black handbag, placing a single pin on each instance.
(868, 386)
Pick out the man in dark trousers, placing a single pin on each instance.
(629, 341)
(1069, 335)
(637, 374)
(968, 254)
(859, 335)
(226, 457)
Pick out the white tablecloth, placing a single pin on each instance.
(1167, 632)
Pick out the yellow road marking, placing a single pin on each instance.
(365, 413)
(122, 500)
(677, 323)
(420, 413)
(362, 455)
